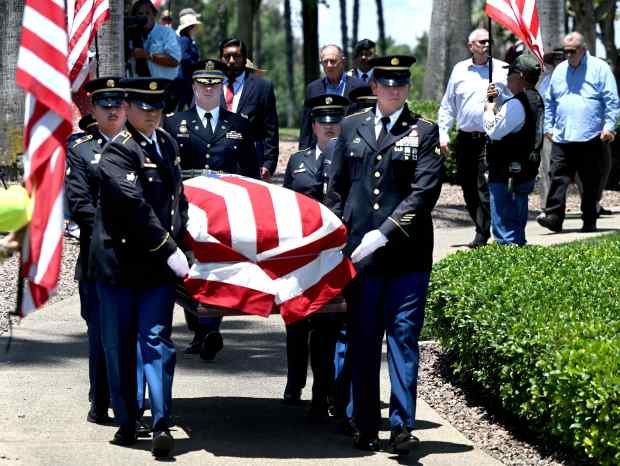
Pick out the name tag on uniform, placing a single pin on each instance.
(234, 135)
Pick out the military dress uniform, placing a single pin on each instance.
(82, 192)
(225, 146)
(387, 185)
(306, 173)
(139, 224)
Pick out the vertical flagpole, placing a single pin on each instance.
(490, 54)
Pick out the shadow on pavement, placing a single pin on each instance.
(431, 447)
(256, 428)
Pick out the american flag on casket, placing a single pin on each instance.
(257, 245)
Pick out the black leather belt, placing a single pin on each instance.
(472, 134)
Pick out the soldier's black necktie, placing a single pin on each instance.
(151, 149)
(385, 121)
(208, 128)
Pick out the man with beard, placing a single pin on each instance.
(82, 191)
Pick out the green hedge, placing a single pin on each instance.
(539, 328)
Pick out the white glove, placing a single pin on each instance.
(178, 263)
(371, 241)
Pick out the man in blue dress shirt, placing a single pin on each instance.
(581, 109)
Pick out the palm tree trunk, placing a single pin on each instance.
(11, 96)
(310, 16)
(343, 27)
(606, 14)
(381, 27)
(110, 36)
(356, 21)
(245, 23)
(446, 44)
(551, 13)
(585, 22)
(290, 76)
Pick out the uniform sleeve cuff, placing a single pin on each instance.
(391, 227)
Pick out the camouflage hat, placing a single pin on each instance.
(525, 63)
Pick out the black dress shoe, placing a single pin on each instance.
(478, 242)
(162, 444)
(401, 441)
(588, 227)
(550, 222)
(142, 429)
(291, 397)
(212, 344)
(124, 437)
(366, 442)
(194, 346)
(98, 416)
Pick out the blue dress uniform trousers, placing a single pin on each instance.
(98, 394)
(145, 314)
(394, 305)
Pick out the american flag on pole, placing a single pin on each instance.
(521, 18)
(258, 245)
(42, 73)
(84, 18)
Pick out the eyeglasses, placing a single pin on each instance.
(568, 51)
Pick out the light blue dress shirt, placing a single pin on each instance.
(581, 102)
(163, 39)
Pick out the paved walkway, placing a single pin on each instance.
(228, 412)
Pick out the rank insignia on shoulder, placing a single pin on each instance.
(83, 139)
(299, 170)
(131, 176)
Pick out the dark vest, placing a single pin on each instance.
(517, 155)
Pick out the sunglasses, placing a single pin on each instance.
(569, 51)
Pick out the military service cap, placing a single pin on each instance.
(209, 71)
(87, 122)
(106, 92)
(327, 108)
(363, 97)
(146, 93)
(392, 70)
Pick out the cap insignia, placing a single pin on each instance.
(328, 100)
(395, 61)
(210, 66)
(109, 83)
(153, 85)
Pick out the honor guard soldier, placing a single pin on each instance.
(82, 191)
(211, 138)
(306, 173)
(385, 180)
(136, 259)
(361, 98)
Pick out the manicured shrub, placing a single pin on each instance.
(539, 328)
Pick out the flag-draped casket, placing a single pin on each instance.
(257, 245)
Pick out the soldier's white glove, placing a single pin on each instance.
(178, 263)
(371, 241)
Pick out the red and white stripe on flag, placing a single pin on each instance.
(521, 18)
(42, 73)
(84, 18)
(158, 3)
(258, 245)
